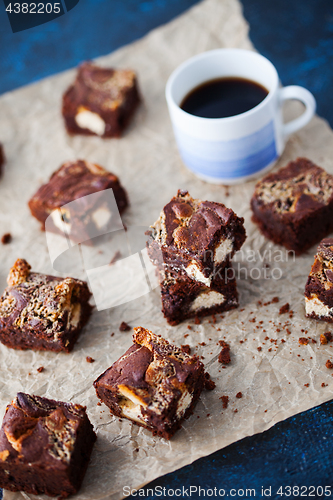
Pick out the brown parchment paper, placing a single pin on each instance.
(272, 380)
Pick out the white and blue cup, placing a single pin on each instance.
(237, 148)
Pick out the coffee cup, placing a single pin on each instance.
(235, 148)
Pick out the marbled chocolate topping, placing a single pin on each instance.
(104, 88)
(74, 180)
(299, 187)
(152, 370)
(43, 306)
(192, 225)
(325, 249)
(39, 430)
(322, 268)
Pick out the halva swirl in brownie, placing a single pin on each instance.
(184, 298)
(73, 181)
(45, 446)
(101, 101)
(319, 286)
(196, 237)
(294, 206)
(192, 244)
(42, 312)
(154, 384)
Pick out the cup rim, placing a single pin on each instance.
(188, 62)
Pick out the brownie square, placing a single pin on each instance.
(101, 101)
(154, 384)
(196, 237)
(319, 286)
(45, 446)
(294, 206)
(184, 298)
(42, 312)
(2, 158)
(73, 181)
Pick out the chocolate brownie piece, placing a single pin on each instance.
(42, 312)
(154, 384)
(45, 446)
(2, 158)
(184, 298)
(319, 286)
(294, 206)
(73, 181)
(196, 237)
(101, 101)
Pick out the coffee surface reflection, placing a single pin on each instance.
(223, 97)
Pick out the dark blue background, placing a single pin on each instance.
(296, 35)
(298, 38)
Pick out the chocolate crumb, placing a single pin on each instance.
(99, 403)
(89, 359)
(275, 300)
(6, 238)
(239, 395)
(303, 341)
(214, 318)
(324, 385)
(329, 364)
(124, 327)
(306, 385)
(186, 348)
(325, 337)
(209, 383)
(208, 415)
(186, 335)
(40, 369)
(235, 411)
(259, 348)
(197, 320)
(189, 327)
(112, 334)
(224, 356)
(225, 401)
(136, 449)
(284, 309)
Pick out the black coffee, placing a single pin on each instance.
(223, 97)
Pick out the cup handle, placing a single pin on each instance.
(303, 95)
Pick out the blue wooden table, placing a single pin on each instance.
(298, 38)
